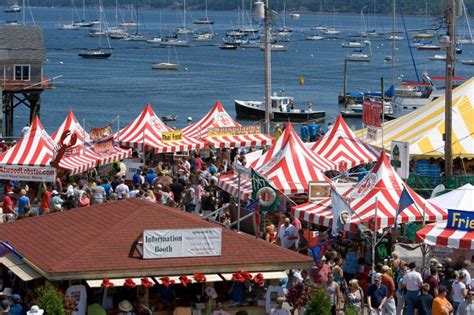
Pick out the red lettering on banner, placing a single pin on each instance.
(371, 113)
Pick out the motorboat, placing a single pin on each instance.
(314, 37)
(358, 56)
(429, 47)
(174, 42)
(353, 44)
(438, 58)
(331, 31)
(164, 66)
(229, 46)
(357, 109)
(295, 16)
(468, 62)
(95, 54)
(387, 58)
(68, 27)
(282, 109)
(276, 47)
(15, 8)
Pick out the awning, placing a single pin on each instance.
(267, 275)
(19, 267)
(238, 141)
(120, 281)
(230, 183)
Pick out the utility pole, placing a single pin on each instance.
(268, 73)
(450, 49)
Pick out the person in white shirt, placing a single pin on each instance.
(122, 190)
(412, 281)
(278, 309)
(288, 235)
(458, 291)
(465, 266)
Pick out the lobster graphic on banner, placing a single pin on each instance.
(63, 147)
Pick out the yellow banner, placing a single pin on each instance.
(233, 131)
(172, 136)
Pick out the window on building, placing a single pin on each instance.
(22, 73)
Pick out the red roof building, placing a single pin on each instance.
(99, 242)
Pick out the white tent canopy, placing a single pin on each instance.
(458, 199)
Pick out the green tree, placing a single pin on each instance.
(50, 300)
(319, 304)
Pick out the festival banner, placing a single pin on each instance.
(262, 190)
(460, 220)
(170, 136)
(372, 133)
(103, 146)
(371, 113)
(197, 242)
(28, 173)
(132, 167)
(400, 158)
(233, 131)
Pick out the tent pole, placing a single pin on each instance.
(374, 239)
(423, 248)
(383, 107)
(238, 201)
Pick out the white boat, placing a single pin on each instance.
(183, 30)
(468, 62)
(276, 47)
(394, 37)
(205, 20)
(388, 58)
(164, 66)
(429, 47)
(330, 31)
(155, 40)
(353, 44)
(438, 57)
(170, 42)
(135, 37)
(465, 41)
(423, 36)
(68, 27)
(129, 24)
(295, 16)
(319, 28)
(314, 37)
(204, 36)
(14, 8)
(251, 43)
(358, 56)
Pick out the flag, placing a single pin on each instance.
(405, 201)
(251, 205)
(266, 195)
(342, 212)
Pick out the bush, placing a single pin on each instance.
(319, 303)
(351, 310)
(50, 300)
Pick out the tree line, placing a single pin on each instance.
(408, 7)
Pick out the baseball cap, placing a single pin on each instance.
(385, 268)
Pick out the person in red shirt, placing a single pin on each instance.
(389, 306)
(45, 199)
(7, 206)
(198, 162)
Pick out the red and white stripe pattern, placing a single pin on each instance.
(89, 158)
(35, 148)
(74, 127)
(289, 165)
(384, 185)
(238, 141)
(144, 131)
(438, 235)
(230, 183)
(290, 137)
(186, 144)
(217, 117)
(343, 147)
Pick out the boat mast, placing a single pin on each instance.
(393, 41)
(83, 10)
(268, 74)
(23, 8)
(184, 15)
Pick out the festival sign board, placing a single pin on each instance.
(28, 173)
(371, 113)
(194, 242)
(372, 133)
(169, 136)
(233, 131)
(460, 220)
(97, 134)
(318, 190)
(400, 158)
(262, 190)
(132, 166)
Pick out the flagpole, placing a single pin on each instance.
(423, 251)
(84, 135)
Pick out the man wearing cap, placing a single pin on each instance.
(389, 308)
(441, 305)
(467, 307)
(412, 281)
(288, 235)
(377, 295)
(278, 309)
(16, 307)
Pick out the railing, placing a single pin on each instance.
(18, 85)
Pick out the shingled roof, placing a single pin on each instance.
(19, 43)
(95, 242)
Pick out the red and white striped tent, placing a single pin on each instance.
(71, 124)
(438, 235)
(218, 117)
(343, 147)
(382, 184)
(229, 183)
(288, 166)
(145, 133)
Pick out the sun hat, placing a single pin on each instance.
(54, 192)
(35, 310)
(6, 292)
(125, 306)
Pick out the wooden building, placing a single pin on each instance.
(22, 55)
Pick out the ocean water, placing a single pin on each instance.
(99, 91)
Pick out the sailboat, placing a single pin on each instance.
(332, 31)
(205, 20)
(424, 35)
(83, 22)
(167, 65)
(363, 32)
(72, 25)
(98, 53)
(319, 27)
(470, 40)
(183, 30)
(284, 32)
(130, 23)
(12, 8)
(137, 36)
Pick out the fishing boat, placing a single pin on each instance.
(468, 62)
(282, 108)
(438, 58)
